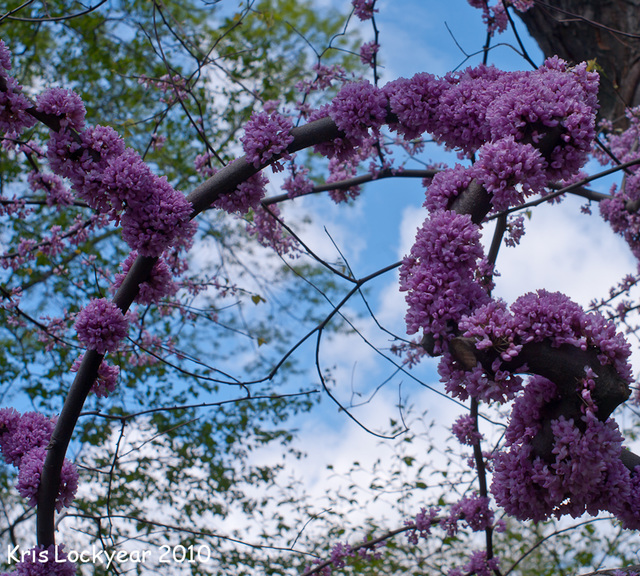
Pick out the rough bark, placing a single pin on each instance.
(605, 30)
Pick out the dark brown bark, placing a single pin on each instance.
(605, 30)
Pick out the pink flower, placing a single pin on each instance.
(163, 219)
(106, 381)
(267, 135)
(269, 232)
(65, 104)
(29, 479)
(20, 434)
(159, 284)
(439, 275)
(247, 195)
(14, 117)
(465, 430)
(101, 326)
(368, 52)
(358, 107)
(364, 9)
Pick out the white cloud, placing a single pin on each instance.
(565, 251)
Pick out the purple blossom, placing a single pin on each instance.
(20, 434)
(5, 58)
(341, 148)
(269, 232)
(515, 230)
(368, 52)
(510, 171)
(492, 325)
(440, 275)
(358, 107)
(628, 509)
(466, 431)
(479, 564)
(554, 316)
(364, 9)
(447, 185)
(463, 106)
(623, 145)
(339, 553)
(267, 135)
(102, 144)
(463, 383)
(159, 284)
(298, 182)
(84, 162)
(423, 522)
(624, 222)
(29, 479)
(39, 561)
(202, 164)
(552, 108)
(101, 326)
(65, 104)
(415, 103)
(127, 178)
(584, 472)
(106, 380)
(473, 510)
(247, 195)
(53, 186)
(159, 222)
(14, 117)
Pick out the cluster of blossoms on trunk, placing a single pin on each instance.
(23, 442)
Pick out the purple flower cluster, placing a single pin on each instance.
(357, 108)
(510, 171)
(20, 434)
(473, 510)
(298, 182)
(106, 380)
(64, 104)
(368, 52)
(479, 565)
(584, 472)
(29, 479)
(245, 197)
(23, 443)
(552, 108)
(497, 386)
(620, 209)
(14, 117)
(440, 275)
(423, 522)
(446, 185)
(101, 171)
(415, 103)
(466, 431)
(534, 317)
(159, 284)
(364, 9)
(101, 326)
(269, 232)
(53, 186)
(267, 135)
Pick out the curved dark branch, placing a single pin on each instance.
(565, 366)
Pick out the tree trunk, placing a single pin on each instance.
(605, 30)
